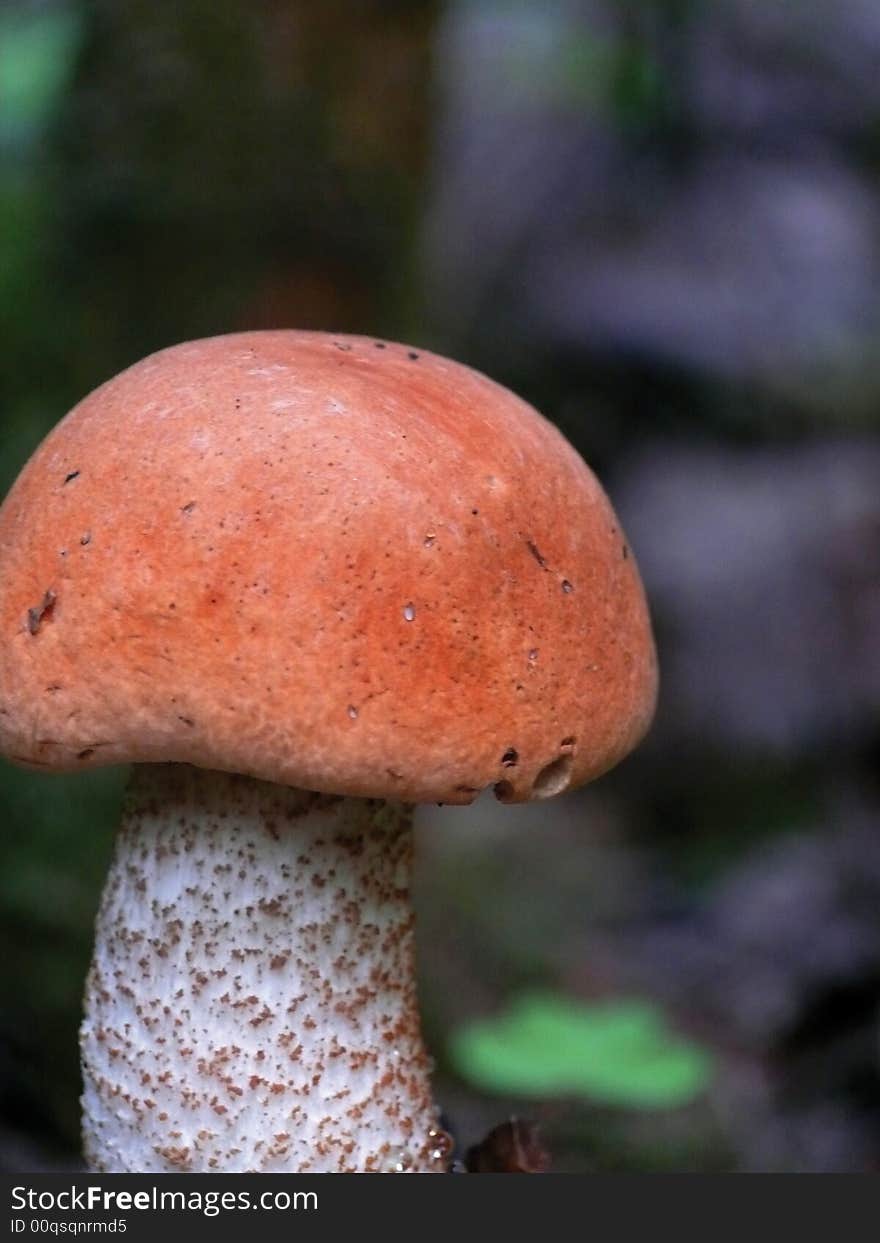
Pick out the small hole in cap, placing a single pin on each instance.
(553, 778)
(503, 791)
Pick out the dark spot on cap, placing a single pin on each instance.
(510, 757)
(533, 549)
(42, 612)
(73, 475)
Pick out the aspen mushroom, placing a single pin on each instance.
(303, 582)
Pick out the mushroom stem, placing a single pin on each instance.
(251, 1004)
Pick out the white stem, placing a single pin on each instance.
(251, 1004)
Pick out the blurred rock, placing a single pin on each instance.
(745, 268)
(622, 181)
(827, 1139)
(780, 969)
(763, 569)
(776, 70)
(784, 953)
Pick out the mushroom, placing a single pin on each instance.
(304, 582)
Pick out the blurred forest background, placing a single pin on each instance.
(658, 220)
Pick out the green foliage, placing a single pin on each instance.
(37, 51)
(618, 1052)
(55, 846)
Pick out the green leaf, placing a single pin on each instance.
(619, 1052)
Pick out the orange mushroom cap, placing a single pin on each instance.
(326, 561)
